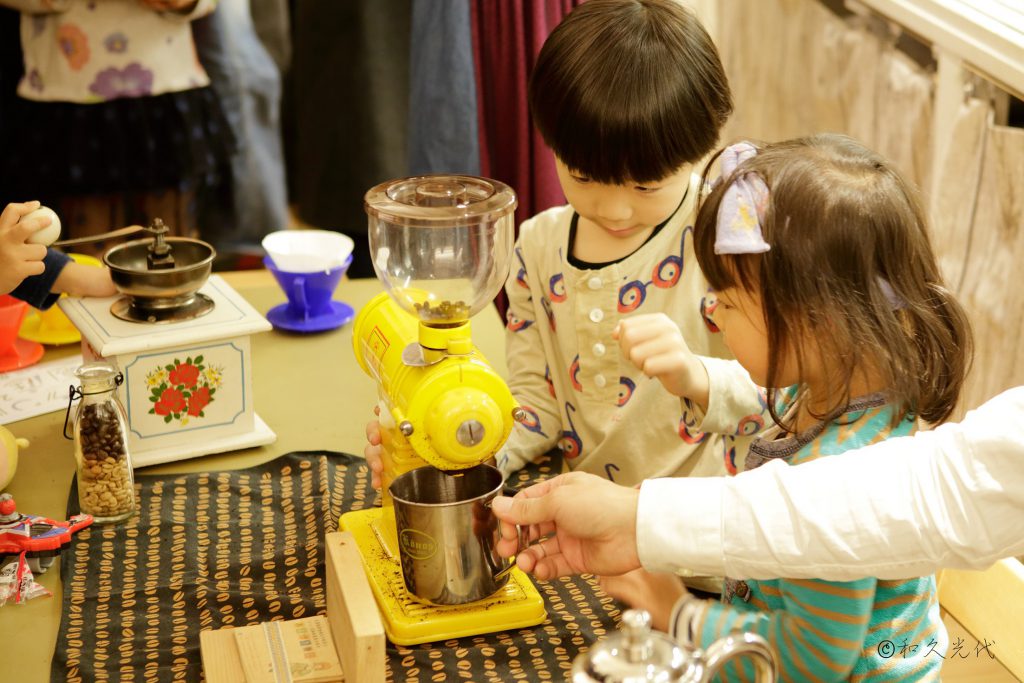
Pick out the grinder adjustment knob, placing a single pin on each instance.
(470, 433)
(464, 427)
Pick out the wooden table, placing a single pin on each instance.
(308, 389)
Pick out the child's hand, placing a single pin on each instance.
(19, 260)
(77, 279)
(654, 592)
(654, 344)
(372, 452)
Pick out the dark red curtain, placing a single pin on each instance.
(506, 39)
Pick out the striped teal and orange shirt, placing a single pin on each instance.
(865, 630)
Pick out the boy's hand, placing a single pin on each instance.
(656, 593)
(19, 260)
(654, 344)
(372, 452)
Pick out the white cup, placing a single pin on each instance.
(307, 251)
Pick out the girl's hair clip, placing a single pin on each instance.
(896, 302)
(741, 211)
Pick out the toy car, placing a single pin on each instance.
(40, 538)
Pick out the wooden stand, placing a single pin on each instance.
(352, 611)
(356, 627)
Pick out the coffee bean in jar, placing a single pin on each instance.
(106, 489)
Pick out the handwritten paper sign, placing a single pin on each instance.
(36, 390)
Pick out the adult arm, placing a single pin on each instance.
(951, 497)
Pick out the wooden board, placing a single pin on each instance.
(221, 663)
(352, 611)
(988, 604)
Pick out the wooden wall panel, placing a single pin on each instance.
(955, 190)
(991, 289)
(903, 116)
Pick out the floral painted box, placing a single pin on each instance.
(187, 385)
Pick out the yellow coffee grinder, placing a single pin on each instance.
(442, 247)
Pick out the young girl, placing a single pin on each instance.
(114, 122)
(629, 94)
(829, 294)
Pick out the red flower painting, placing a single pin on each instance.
(185, 374)
(171, 401)
(199, 399)
(182, 390)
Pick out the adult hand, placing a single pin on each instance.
(592, 523)
(655, 345)
(19, 260)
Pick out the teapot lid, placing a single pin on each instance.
(636, 654)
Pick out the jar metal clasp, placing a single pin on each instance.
(77, 392)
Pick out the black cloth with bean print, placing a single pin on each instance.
(239, 547)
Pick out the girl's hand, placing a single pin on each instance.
(656, 346)
(372, 451)
(654, 592)
(19, 260)
(81, 280)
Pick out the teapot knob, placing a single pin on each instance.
(636, 628)
(636, 653)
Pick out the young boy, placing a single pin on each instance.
(630, 95)
(38, 275)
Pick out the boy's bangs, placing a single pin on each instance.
(618, 151)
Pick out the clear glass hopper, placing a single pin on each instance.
(441, 244)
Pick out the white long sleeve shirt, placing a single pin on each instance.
(951, 497)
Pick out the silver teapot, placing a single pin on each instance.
(639, 655)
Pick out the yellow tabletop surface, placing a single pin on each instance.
(308, 389)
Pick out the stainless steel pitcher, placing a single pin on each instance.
(447, 532)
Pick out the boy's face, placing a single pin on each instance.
(623, 212)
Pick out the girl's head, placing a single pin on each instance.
(629, 91)
(820, 246)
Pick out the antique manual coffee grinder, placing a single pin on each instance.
(442, 247)
(181, 339)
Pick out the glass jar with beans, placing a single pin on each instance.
(106, 488)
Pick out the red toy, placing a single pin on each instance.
(40, 538)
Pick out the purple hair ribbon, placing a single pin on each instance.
(741, 211)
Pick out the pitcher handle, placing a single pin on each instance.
(522, 538)
(736, 645)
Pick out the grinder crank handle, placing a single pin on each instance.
(113, 234)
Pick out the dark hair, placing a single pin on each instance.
(629, 90)
(842, 222)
